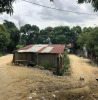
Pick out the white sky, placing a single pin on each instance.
(28, 13)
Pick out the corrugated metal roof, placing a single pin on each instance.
(47, 49)
(43, 48)
(69, 45)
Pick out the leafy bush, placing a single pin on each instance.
(61, 72)
(45, 64)
(65, 53)
(54, 72)
(19, 46)
(67, 61)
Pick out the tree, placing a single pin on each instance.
(93, 2)
(82, 40)
(92, 41)
(25, 33)
(76, 31)
(83, 37)
(87, 30)
(4, 38)
(14, 35)
(89, 39)
(60, 35)
(44, 34)
(6, 6)
(29, 34)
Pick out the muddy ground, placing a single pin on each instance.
(17, 81)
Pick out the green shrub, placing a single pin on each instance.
(61, 72)
(65, 53)
(67, 67)
(19, 46)
(67, 60)
(54, 72)
(45, 64)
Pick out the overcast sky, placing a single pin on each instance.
(28, 13)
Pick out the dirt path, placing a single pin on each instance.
(17, 81)
(3, 70)
(80, 68)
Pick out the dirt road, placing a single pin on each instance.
(17, 81)
(81, 68)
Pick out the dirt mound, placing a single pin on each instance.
(74, 94)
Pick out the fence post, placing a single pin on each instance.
(58, 64)
(61, 64)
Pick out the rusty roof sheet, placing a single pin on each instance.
(43, 48)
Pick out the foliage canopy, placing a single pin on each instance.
(4, 38)
(6, 6)
(93, 2)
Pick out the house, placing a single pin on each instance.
(36, 54)
(69, 48)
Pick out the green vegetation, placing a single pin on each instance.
(6, 6)
(14, 35)
(19, 46)
(45, 64)
(89, 39)
(11, 38)
(93, 2)
(65, 53)
(66, 67)
(2, 54)
(30, 34)
(4, 38)
(67, 60)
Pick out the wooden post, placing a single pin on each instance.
(37, 58)
(26, 58)
(58, 65)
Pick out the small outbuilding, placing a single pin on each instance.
(36, 54)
